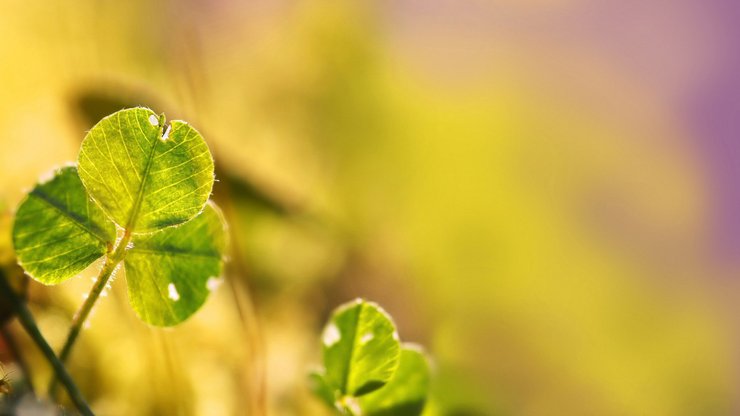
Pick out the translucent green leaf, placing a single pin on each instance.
(319, 387)
(406, 393)
(58, 230)
(144, 174)
(169, 272)
(360, 347)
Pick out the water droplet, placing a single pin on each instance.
(213, 283)
(367, 338)
(331, 335)
(130, 245)
(172, 292)
(154, 120)
(395, 335)
(166, 134)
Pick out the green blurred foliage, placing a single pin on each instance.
(504, 223)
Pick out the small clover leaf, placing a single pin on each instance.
(406, 393)
(58, 231)
(360, 348)
(367, 371)
(169, 273)
(144, 174)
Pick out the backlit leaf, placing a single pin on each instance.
(58, 230)
(319, 387)
(360, 348)
(406, 393)
(144, 174)
(170, 273)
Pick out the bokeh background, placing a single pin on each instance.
(543, 193)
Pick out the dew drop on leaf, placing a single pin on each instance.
(331, 335)
(172, 292)
(166, 134)
(154, 120)
(367, 338)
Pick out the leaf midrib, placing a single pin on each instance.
(131, 222)
(345, 378)
(74, 220)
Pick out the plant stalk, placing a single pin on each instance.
(111, 262)
(29, 324)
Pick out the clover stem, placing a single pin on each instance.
(29, 324)
(111, 262)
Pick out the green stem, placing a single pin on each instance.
(29, 324)
(111, 262)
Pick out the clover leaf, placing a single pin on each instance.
(58, 230)
(144, 174)
(360, 348)
(406, 392)
(367, 371)
(170, 273)
(146, 182)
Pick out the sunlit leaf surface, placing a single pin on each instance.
(405, 393)
(146, 175)
(170, 273)
(360, 347)
(58, 230)
(317, 384)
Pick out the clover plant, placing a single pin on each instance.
(366, 369)
(138, 196)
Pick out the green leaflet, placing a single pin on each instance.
(317, 384)
(145, 175)
(168, 272)
(406, 393)
(360, 348)
(58, 230)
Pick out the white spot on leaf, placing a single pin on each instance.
(172, 292)
(166, 134)
(47, 176)
(213, 283)
(367, 338)
(154, 120)
(331, 335)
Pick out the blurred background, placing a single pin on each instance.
(543, 193)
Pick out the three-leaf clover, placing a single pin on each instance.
(137, 195)
(367, 370)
